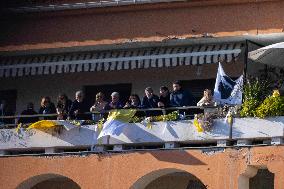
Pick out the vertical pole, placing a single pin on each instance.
(246, 60)
(231, 130)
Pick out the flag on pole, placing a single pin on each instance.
(227, 91)
(116, 121)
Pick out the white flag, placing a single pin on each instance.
(227, 91)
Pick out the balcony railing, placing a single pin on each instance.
(137, 136)
(191, 110)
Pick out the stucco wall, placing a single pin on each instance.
(140, 23)
(216, 168)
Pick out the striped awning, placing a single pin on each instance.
(118, 59)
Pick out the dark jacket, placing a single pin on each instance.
(110, 106)
(48, 110)
(65, 109)
(28, 119)
(181, 98)
(82, 108)
(150, 102)
(165, 100)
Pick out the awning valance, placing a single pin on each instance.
(119, 59)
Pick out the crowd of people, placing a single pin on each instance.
(66, 109)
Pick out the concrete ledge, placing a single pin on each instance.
(245, 130)
(80, 136)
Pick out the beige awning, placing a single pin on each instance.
(271, 55)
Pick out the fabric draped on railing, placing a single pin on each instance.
(156, 57)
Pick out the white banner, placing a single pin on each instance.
(227, 91)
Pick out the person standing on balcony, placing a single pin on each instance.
(29, 111)
(207, 99)
(47, 107)
(99, 106)
(100, 103)
(164, 100)
(150, 100)
(133, 102)
(63, 106)
(79, 107)
(115, 103)
(179, 97)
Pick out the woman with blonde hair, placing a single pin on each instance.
(99, 106)
(100, 103)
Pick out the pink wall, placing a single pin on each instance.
(140, 23)
(217, 169)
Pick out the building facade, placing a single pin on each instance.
(245, 168)
(45, 52)
(60, 46)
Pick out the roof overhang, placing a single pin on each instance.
(261, 40)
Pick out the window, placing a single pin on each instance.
(196, 87)
(8, 104)
(10, 97)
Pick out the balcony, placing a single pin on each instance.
(182, 133)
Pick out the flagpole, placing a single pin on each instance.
(246, 60)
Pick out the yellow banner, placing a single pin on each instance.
(123, 115)
(43, 124)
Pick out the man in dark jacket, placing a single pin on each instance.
(150, 100)
(180, 97)
(79, 107)
(164, 100)
(29, 111)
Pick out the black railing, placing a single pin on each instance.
(187, 111)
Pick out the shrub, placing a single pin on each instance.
(255, 92)
(271, 106)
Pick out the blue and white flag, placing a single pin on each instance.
(117, 120)
(227, 91)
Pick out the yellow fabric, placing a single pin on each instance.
(123, 115)
(276, 93)
(100, 124)
(18, 127)
(197, 125)
(230, 119)
(149, 125)
(43, 124)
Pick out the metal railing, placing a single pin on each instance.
(189, 112)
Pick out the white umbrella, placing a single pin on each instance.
(271, 55)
